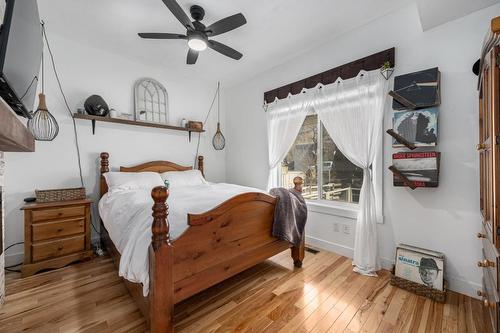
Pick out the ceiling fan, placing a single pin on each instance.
(197, 33)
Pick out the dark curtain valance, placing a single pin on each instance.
(346, 71)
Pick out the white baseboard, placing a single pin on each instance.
(343, 250)
(463, 287)
(329, 246)
(455, 283)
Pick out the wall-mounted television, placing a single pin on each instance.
(20, 54)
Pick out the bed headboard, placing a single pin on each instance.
(155, 166)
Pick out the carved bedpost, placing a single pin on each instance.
(104, 169)
(201, 165)
(161, 284)
(298, 182)
(298, 252)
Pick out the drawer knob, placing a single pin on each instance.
(488, 304)
(60, 229)
(481, 146)
(481, 293)
(485, 263)
(480, 235)
(60, 248)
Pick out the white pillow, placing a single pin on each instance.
(125, 181)
(184, 178)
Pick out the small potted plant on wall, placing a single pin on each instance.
(386, 70)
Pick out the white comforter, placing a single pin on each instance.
(127, 217)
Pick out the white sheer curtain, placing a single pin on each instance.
(352, 112)
(284, 119)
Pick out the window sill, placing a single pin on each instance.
(341, 209)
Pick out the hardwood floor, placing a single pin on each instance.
(324, 296)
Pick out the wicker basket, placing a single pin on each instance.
(63, 194)
(419, 289)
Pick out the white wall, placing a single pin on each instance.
(444, 219)
(86, 71)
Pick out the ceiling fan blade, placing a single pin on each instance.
(179, 13)
(226, 24)
(225, 50)
(192, 57)
(160, 35)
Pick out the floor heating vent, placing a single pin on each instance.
(313, 251)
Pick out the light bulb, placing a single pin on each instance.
(197, 44)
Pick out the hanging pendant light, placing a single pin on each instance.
(218, 141)
(43, 125)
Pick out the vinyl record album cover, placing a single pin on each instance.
(420, 267)
(421, 168)
(421, 88)
(419, 127)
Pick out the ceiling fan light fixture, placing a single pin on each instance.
(197, 34)
(197, 44)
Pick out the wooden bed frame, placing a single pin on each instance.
(218, 244)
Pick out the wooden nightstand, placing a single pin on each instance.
(56, 234)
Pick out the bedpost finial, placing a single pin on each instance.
(160, 225)
(298, 182)
(104, 162)
(159, 194)
(201, 164)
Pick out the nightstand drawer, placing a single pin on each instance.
(57, 213)
(61, 228)
(57, 248)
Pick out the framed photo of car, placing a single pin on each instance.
(421, 266)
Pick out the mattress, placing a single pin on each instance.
(127, 218)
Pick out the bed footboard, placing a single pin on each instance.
(218, 244)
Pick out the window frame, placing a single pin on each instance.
(341, 208)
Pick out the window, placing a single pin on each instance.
(327, 173)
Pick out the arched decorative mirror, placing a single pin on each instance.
(151, 101)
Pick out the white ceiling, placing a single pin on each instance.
(277, 30)
(436, 12)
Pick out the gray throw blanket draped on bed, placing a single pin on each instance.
(290, 215)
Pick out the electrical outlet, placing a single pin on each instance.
(346, 229)
(336, 227)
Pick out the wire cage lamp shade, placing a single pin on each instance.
(218, 141)
(43, 125)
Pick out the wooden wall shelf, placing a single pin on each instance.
(14, 136)
(134, 123)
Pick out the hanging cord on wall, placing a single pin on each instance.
(56, 74)
(77, 144)
(205, 122)
(9, 268)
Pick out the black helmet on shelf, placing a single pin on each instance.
(96, 106)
